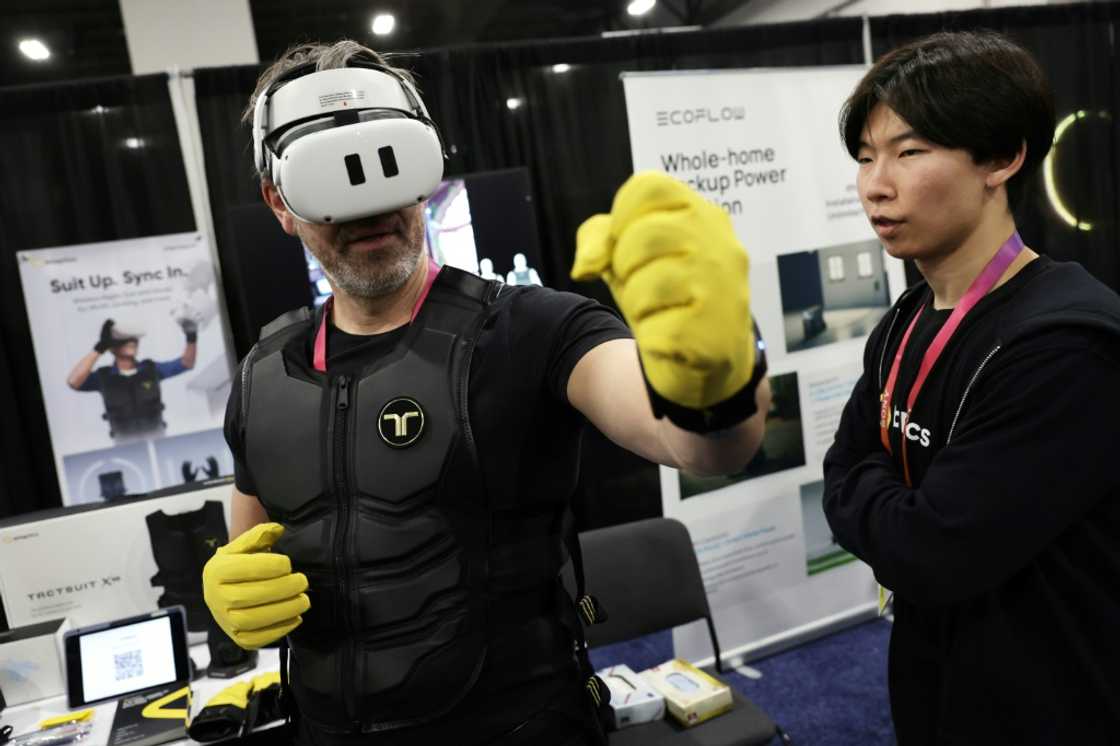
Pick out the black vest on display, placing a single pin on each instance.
(378, 483)
(182, 544)
(133, 404)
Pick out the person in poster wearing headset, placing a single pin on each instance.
(973, 468)
(129, 387)
(380, 531)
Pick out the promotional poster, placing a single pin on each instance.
(132, 361)
(120, 559)
(765, 146)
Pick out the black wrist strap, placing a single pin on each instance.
(731, 411)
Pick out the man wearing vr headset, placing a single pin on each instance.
(129, 387)
(379, 527)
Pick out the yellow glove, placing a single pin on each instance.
(252, 592)
(265, 702)
(265, 680)
(223, 716)
(680, 277)
(237, 708)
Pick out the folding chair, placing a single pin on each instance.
(647, 578)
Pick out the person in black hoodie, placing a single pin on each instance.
(972, 467)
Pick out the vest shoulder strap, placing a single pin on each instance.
(456, 280)
(283, 321)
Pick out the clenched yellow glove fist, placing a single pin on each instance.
(680, 277)
(251, 591)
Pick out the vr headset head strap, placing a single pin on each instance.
(261, 130)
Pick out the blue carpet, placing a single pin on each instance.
(829, 692)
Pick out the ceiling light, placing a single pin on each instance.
(133, 143)
(562, 67)
(34, 49)
(99, 109)
(640, 7)
(383, 24)
(513, 104)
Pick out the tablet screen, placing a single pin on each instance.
(115, 659)
(125, 659)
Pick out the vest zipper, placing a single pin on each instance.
(342, 492)
(967, 389)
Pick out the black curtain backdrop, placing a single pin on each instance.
(221, 94)
(1075, 45)
(64, 181)
(68, 177)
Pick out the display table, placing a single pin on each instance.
(24, 718)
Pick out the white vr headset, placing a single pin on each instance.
(346, 143)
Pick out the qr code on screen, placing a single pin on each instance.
(127, 665)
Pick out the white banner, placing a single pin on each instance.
(145, 413)
(765, 145)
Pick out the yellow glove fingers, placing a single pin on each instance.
(235, 694)
(259, 538)
(594, 246)
(258, 638)
(261, 592)
(656, 236)
(657, 287)
(265, 680)
(647, 192)
(241, 568)
(262, 617)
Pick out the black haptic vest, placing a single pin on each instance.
(182, 544)
(133, 404)
(378, 484)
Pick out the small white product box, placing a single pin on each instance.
(691, 695)
(633, 701)
(31, 664)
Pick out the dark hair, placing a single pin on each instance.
(975, 90)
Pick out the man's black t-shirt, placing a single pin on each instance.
(527, 435)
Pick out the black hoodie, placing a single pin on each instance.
(1004, 557)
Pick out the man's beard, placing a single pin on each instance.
(372, 275)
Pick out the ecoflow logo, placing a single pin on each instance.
(700, 115)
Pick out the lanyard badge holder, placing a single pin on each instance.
(980, 287)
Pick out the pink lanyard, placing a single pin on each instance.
(977, 290)
(320, 357)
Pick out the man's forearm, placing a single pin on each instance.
(721, 452)
(190, 354)
(82, 370)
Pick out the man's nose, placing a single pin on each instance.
(878, 184)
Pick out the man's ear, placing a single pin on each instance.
(1000, 170)
(272, 198)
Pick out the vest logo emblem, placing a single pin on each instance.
(401, 422)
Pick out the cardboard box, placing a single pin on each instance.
(31, 661)
(691, 695)
(633, 701)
